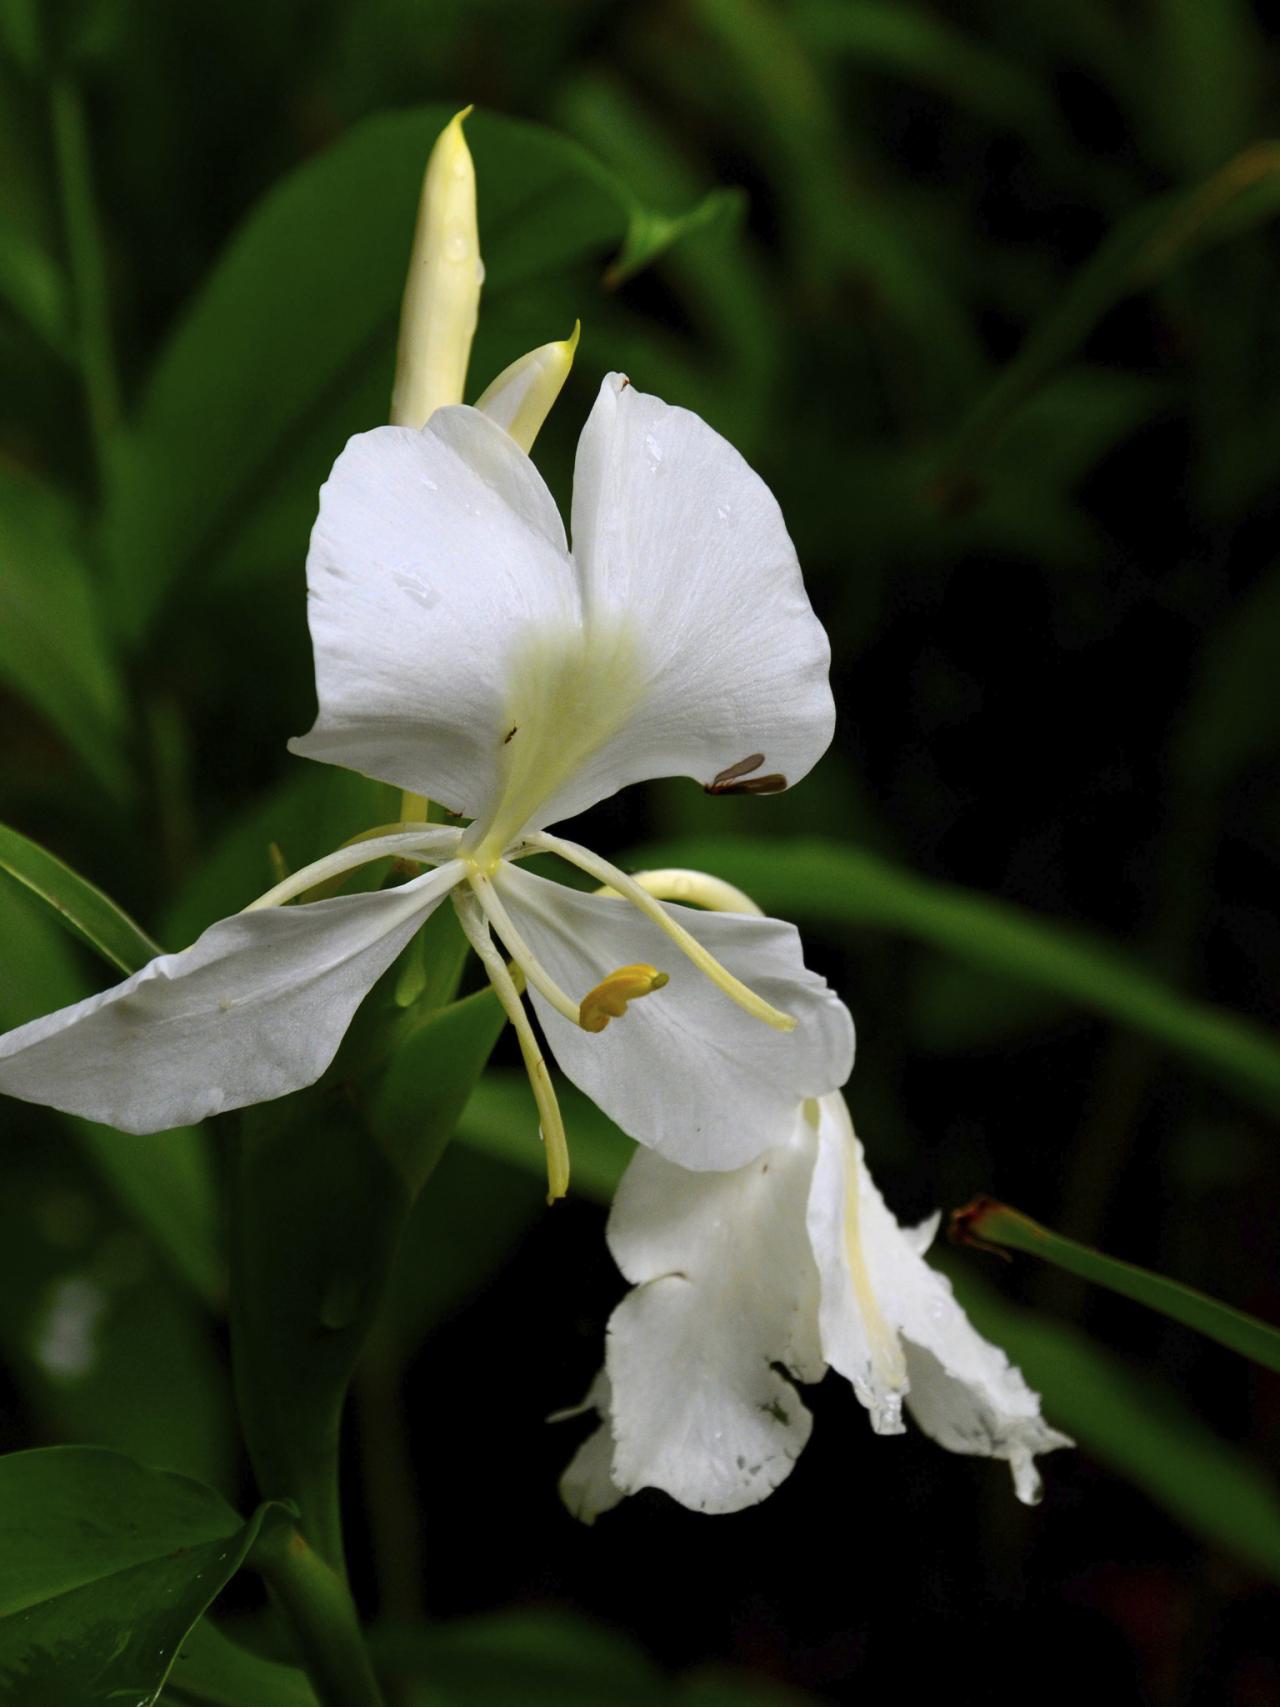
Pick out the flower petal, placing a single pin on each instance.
(676, 535)
(892, 1326)
(684, 1070)
(587, 1486)
(257, 1006)
(433, 555)
(726, 1289)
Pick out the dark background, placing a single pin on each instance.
(1056, 638)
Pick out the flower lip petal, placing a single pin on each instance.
(685, 1071)
(257, 1006)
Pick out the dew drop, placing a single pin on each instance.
(415, 588)
(654, 450)
(886, 1413)
(456, 246)
(723, 512)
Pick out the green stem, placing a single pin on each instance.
(322, 1616)
(86, 260)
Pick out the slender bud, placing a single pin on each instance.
(442, 291)
(520, 398)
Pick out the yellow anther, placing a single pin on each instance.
(609, 999)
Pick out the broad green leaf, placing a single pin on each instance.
(1205, 82)
(213, 1671)
(105, 1349)
(272, 367)
(1136, 1428)
(164, 1180)
(104, 1568)
(78, 904)
(823, 884)
(34, 286)
(419, 1095)
(1147, 244)
(987, 1222)
(54, 650)
(500, 1120)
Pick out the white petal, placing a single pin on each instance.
(587, 1486)
(896, 1329)
(257, 1006)
(727, 1289)
(434, 554)
(684, 1070)
(676, 534)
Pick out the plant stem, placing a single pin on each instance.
(322, 1616)
(85, 257)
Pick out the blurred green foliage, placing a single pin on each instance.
(987, 295)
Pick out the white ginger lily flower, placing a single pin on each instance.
(465, 654)
(783, 1267)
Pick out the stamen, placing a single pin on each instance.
(696, 888)
(519, 949)
(433, 845)
(551, 1128)
(630, 890)
(609, 999)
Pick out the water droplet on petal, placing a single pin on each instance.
(654, 451)
(886, 1413)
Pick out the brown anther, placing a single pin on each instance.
(736, 780)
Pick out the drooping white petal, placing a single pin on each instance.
(437, 561)
(891, 1324)
(674, 533)
(684, 1070)
(726, 1288)
(587, 1486)
(257, 1006)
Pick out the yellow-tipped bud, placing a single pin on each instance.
(442, 291)
(520, 398)
(609, 999)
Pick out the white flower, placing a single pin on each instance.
(785, 1266)
(463, 653)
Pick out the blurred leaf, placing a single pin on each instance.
(956, 1009)
(1204, 85)
(987, 1222)
(931, 53)
(1144, 246)
(301, 312)
(1135, 1428)
(165, 1180)
(536, 1659)
(500, 1121)
(650, 233)
(34, 286)
(105, 1348)
(54, 650)
(1232, 715)
(104, 1567)
(825, 884)
(417, 1099)
(317, 1210)
(78, 905)
(212, 1669)
(449, 1254)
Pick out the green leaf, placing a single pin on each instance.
(81, 907)
(104, 1568)
(987, 1222)
(423, 1089)
(317, 1211)
(1232, 717)
(290, 346)
(105, 1349)
(825, 883)
(165, 1180)
(1140, 1431)
(213, 1671)
(651, 233)
(500, 1121)
(54, 650)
